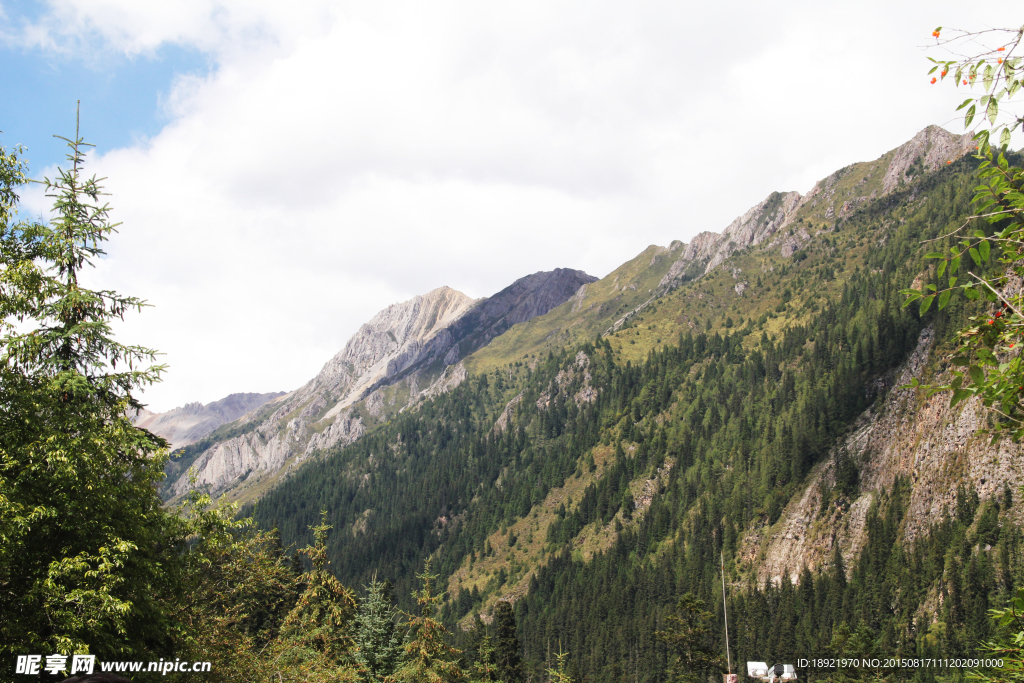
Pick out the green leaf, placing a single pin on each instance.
(926, 303)
(969, 116)
(984, 248)
(993, 110)
(942, 268)
(958, 396)
(972, 294)
(1004, 138)
(988, 357)
(965, 103)
(977, 375)
(935, 254)
(954, 265)
(944, 298)
(975, 255)
(961, 361)
(933, 70)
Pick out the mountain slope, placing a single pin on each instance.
(190, 423)
(415, 344)
(784, 222)
(746, 409)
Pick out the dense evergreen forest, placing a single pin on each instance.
(727, 421)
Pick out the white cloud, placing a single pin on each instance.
(344, 156)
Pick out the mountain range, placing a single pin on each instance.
(590, 449)
(413, 348)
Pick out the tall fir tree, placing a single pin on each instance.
(506, 643)
(378, 645)
(428, 658)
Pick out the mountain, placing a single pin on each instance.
(740, 396)
(413, 348)
(783, 222)
(191, 422)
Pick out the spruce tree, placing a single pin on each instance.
(377, 643)
(688, 638)
(428, 658)
(321, 621)
(87, 552)
(506, 643)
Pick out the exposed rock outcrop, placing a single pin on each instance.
(419, 342)
(770, 219)
(922, 440)
(192, 421)
(930, 149)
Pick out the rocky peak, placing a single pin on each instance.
(393, 340)
(926, 152)
(418, 342)
(191, 422)
(525, 299)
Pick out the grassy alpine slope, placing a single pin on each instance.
(594, 480)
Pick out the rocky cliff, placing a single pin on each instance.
(418, 343)
(905, 435)
(191, 422)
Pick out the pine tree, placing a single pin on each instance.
(428, 658)
(377, 643)
(507, 643)
(87, 552)
(485, 667)
(688, 638)
(321, 621)
(558, 674)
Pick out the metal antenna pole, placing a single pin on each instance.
(728, 656)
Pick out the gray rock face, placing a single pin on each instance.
(192, 421)
(419, 342)
(929, 150)
(933, 147)
(525, 299)
(932, 446)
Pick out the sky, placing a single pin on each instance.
(283, 171)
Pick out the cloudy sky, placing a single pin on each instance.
(284, 170)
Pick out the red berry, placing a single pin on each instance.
(933, 80)
(1000, 49)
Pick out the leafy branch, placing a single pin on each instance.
(986, 361)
